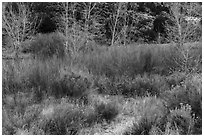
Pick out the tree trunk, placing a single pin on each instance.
(114, 28)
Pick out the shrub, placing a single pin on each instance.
(181, 120)
(107, 111)
(72, 85)
(61, 119)
(48, 45)
(152, 111)
(186, 58)
(188, 93)
(159, 82)
(66, 118)
(14, 120)
(142, 85)
(175, 79)
(11, 76)
(105, 85)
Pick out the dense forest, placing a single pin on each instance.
(102, 68)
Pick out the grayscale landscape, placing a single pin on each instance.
(101, 68)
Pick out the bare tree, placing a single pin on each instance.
(185, 17)
(125, 24)
(87, 14)
(183, 27)
(17, 24)
(115, 18)
(63, 21)
(77, 34)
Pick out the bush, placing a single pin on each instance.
(186, 58)
(72, 85)
(107, 111)
(63, 122)
(66, 118)
(14, 121)
(47, 45)
(141, 85)
(175, 79)
(11, 76)
(60, 119)
(188, 93)
(180, 121)
(152, 111)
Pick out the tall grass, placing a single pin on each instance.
(45, 78)
(45, 46)
(138, 59)
(49, 95)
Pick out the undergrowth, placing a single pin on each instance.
(47, 94)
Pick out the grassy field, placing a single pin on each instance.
(132, 90)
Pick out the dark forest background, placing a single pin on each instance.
(107, 23)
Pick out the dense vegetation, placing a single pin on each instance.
(70, 83)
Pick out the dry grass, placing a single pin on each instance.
(118, 90)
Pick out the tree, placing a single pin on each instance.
(183, 28)
(115, 20)
(186, 23)
(18, 23)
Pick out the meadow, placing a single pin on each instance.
(138, 89)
